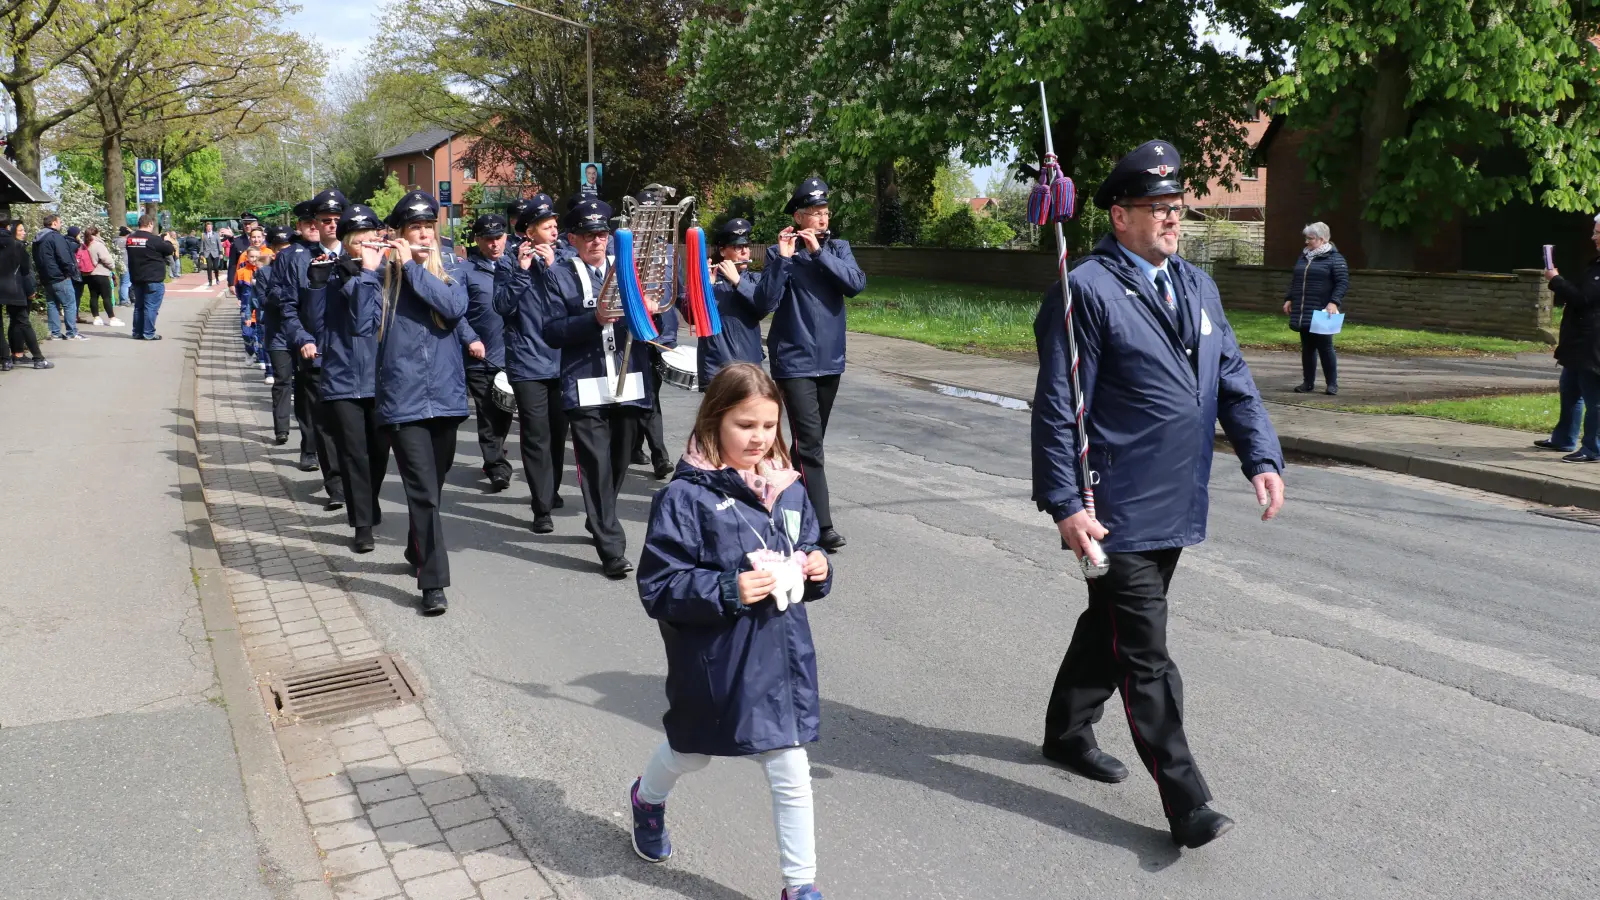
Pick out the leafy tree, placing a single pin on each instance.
(367, 118)
(79, 202)
(1443, 108)
(383, 201)
(1011, 207)
(852, 91)
(963, 228)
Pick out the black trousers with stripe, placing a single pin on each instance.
(424, 451)
(542, 433)
(602, 442)
(363, 450)
(809, 402)
(308, 386)
(1120, 645)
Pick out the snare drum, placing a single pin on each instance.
(679, 368)
(500, 393)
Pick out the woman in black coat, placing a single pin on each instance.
(16, 286)
(1320, 281)
(1578, 353)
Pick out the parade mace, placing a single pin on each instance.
(1052, 201)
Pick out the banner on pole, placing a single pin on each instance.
(148, 178)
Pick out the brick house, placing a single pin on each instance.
(1247, 202)
(428, 158)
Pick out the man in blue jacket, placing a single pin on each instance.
(593, 342)
(53, 260)
(1159, 366)
(305, 305)
(532, 366)
(807, 277)
(487, 273)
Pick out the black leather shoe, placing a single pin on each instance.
(830, 539)
(7, 364)
(638, 458)
(664, 470)
(334, 503)
(1304, 388)
(363, 542)
(1547, 444)
(557, 503)
(280, 439)
(1199, 827)
(543, 525)
(616, 568)
(499, 484)
(1092, 763)
(308, 463)
(433, 602)
(1332, 391)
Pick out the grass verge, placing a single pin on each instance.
(999, 322)
(1536, 413)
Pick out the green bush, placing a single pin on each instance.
(963, 229)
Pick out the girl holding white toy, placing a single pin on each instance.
(729, 561)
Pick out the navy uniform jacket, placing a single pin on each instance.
(529, 300)
(740, 679)
(349, 361)
(807, 292)
(571, 328)
(305, 301)
(266, 297)
(281, 294)
(420, 375)
(1151, 413)
(565, 250)
(741, 308)
(486, 278)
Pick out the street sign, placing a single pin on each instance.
(444, 193)
(148, 177)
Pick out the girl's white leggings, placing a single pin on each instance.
(789, 779)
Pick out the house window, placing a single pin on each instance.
(411, 173)
(469, 171)
(1255, 175)
(521, 172)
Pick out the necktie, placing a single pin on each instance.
(1165, 288)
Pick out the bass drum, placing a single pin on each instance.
(500, 393)
(679, 367)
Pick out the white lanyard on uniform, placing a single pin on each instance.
(608, 335)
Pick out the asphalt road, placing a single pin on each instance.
(1393, 688)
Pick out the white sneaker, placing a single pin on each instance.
(116, 323)
(268, 380)
(79, 337)
(98, 321)
(263, 366)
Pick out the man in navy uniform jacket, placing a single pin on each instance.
(1159, 367)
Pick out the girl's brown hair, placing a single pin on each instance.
(733, 385)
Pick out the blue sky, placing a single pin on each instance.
(343, 29)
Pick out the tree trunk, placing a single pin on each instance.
(116, 180)
(1384, 116)
(891, 220)
(24, 141)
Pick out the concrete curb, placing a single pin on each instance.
(291, 866)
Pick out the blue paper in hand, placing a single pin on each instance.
(1323, 322)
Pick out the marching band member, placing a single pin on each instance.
(303, 320)
(514, 211)
(411, 306)
(279, 239)
(533, 366)
(807, 278)
(488, 273)
(349, 382)
(739, 304)
(288, 268)
(604, 422)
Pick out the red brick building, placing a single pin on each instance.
(1247, 202)
(428, 158)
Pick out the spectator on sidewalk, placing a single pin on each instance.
(54, 264)
(1320, 281)
(124, 283)
(16, 286)
(211, 252)
(1578, 353)
(80, 258)
(148, 256)
(103, 267)
(191, 249)
(176, 262)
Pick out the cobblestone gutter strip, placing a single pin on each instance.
(392, 811)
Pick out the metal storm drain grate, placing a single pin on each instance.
(327, 692)
(1571, 514)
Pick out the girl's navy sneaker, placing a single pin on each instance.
(650, 838)
(804, 892)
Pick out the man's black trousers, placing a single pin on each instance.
(1121, 645)
(424, 451)
(810, 402)
(603, 440)
(542, 431)
(308, 385)
(286, 400)
(494, 423)
(363, 450)
(651, 429)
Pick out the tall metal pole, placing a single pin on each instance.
(588, 50)
(1094, 562)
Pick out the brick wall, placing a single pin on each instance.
(1514, 306)
(1021, 269)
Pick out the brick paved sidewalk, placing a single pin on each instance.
(391, 808)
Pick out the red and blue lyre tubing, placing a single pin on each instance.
(634, 311)
(1085, 485)
(702, 300)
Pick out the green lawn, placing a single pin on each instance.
(1535, 413)
(999, 321)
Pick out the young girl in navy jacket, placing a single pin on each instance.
(729, 561)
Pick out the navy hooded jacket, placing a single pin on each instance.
(486, 278)
(807, 293)
(307, 285)
(420, 374)
(741, 308)
(529, 300)
(571, 327)
(349, 361)
(740, 679)
(1151, 412)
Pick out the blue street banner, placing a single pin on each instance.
(444, 193)
(147, 174)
